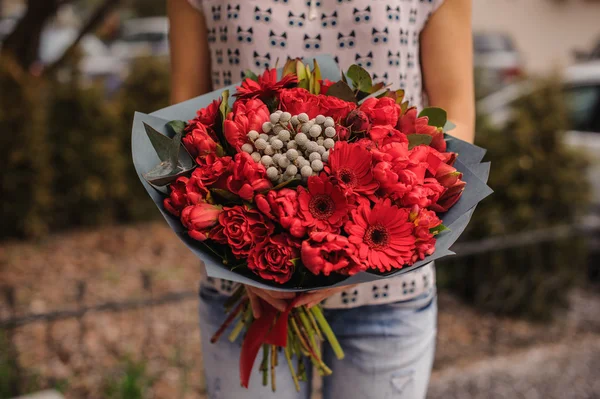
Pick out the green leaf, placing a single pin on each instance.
(289, 68)
(342, 91)
(177, 126)
(437, 116)
(418, 139)
(160, 142)
(224, 110)
(438, 229)
(251, 75)
(220, 151)
(301, 71)
(361, 80)
(317, 71)
(225, 197)
(449, 126)
(303, 84)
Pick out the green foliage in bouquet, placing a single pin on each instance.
(539, 182)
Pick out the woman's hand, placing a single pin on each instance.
(313, 298)
(277, 299)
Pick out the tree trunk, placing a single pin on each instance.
(24, 41)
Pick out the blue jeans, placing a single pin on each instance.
(389, 353)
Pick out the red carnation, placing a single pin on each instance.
(381, 111)
(247, 177)
(177, 199)
(273, 258)
(424, 220)
(282, 206)
(323, 207)
(326, 253)
(199, 218)
(267, 85)
(350, 164)
(409, 123)
(211, 168)
(383, 236)
(205, 117)
(241, 228)
(424, 195)
(199, 142)
(246, 116)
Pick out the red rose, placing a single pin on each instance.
(199, 218)
(247, 177)
(211, 168)
(177, 199)
(272, 259)
(358, 121)
(199, 142)
(334, 107)
(241, 228)
(282, 206)
(298, 100)
(409, 123)
(246, 115)
(424, 221)
(325, 84)
(381, 111)
(326, 253)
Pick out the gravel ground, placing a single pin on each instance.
(84, 354)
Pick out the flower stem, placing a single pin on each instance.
(239, 326)
(234, 298)
(326, 328)
(310, 332)
(287, 351)
(301, 369)
(273, 364)
(313, 321)
(264, 365)
(228, 320)
(314, 358)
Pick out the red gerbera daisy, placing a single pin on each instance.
(383, 236)
(351, 165)
(323, 207)
(266, 86)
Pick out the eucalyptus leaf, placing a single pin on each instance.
(418, 139)
(342, 91)
(437, 116)
(361, 80)
(177, 126)
(160, 142)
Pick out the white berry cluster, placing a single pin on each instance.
(292, 146)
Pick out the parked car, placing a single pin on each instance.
(97, 61)
(143, 37)
(582, 94)
(496, 59)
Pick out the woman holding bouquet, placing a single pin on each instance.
(387, 329)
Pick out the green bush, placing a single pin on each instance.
(538, 182)
(66, 150)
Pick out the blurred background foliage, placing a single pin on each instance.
(68, 159)
(538, 182)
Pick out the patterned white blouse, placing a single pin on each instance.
(380, 35)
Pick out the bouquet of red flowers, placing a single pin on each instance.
(299, 182)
